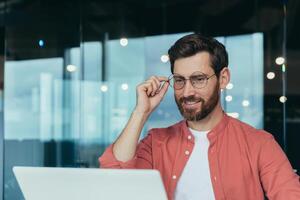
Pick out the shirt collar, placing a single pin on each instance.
(213, 132)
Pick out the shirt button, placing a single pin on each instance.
(187, 153)
(189, 137)
(174, 177)
(215, 178)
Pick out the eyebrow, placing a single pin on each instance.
(195, 75)
(178, 75)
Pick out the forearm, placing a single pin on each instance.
(125, 146)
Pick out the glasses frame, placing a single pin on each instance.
(207, 77)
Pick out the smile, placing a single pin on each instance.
(191, 104)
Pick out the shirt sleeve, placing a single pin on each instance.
(277, 176)
(141, 160)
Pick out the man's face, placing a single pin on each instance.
(195, 104)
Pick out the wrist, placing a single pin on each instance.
(140, 114)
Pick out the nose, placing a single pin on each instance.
(188, 89)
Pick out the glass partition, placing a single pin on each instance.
(70, 71)
(54, 118)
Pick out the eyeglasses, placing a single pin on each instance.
(197, 79)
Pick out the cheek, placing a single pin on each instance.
(206, 94)
(177, 95)
(213, 93)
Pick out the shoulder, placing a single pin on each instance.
(161, 134)
(251, 133)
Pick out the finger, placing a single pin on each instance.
(149, 88)
(145, 88)
(162, 78)
(156, 81)
(162, 83)
(155, 84)
(155, 88)
(159, 78)
(163, 89)
(151, 84)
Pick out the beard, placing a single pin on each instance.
(206, 106)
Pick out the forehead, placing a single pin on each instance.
(198, 62)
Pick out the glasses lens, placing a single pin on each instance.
(198, 81)
(177, 82)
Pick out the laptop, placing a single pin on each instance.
(46, 183)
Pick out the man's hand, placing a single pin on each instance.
(150, 93)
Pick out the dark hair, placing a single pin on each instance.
(192, 44)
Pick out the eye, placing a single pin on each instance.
(176, 77)
(198, 79)
(178, 80)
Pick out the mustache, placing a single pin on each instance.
(191, 98)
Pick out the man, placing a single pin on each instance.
(209, 155)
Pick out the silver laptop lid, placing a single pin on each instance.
(47, 183)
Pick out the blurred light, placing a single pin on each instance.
(279, 60)
(164, 58)
(124, 86)
(222, 90)
(282, 99)
(41, 43)
(71, 68)
(283, 68)
(104, 88)
(270, 75)
(245, 103)
(229, 86)
(228, 98)
(124, 42)
(234, 114)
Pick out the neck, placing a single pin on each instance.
(209, 122)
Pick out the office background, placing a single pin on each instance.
(68, 72)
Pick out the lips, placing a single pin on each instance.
(191, 104)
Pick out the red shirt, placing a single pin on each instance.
(244, 162)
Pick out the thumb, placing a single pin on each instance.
(161, 93)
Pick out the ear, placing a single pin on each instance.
(224, 78)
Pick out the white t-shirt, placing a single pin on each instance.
(195, 182)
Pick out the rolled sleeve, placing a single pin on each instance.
(108, 160)
(141, 160)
